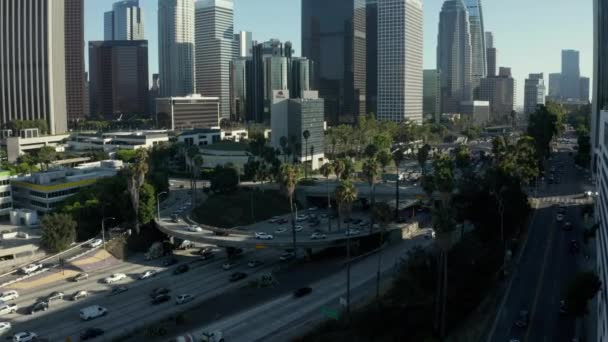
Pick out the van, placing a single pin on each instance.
(92, 312)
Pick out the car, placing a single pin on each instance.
(568, 226)
(161, 299)
(324, 216)
(352, 232)
(298, 228)
(263, 236)
(92, 312)
(38, 306)
(25, 337)
(90, 333)
(522, 321)
(114, 278)
(183, 299)
(181, 269)
(80, 276)
(229, 265)
(301, 218)
(80, 295)
(4, 327)
(118, 289)
(169, 262)
(237, 276)
(204, 250)
(159, 291)
(254, 263)
(8, 309)
(148, 274)
(216, 336)
(195, 229)
(7, 296)
(274, 219)
(430, 234)
(363, 223)
(301, 292)
(357, 221)
(95, 243)
(563, 308)
(206, 255)
(559, 217)
(318, 236)
(29, 269)
(313, 209)
(283, 221)
(55, 296)
(280, 230)
(286, 256)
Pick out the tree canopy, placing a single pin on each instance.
(58, 232)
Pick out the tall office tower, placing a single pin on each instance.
(119, 77)
(214, 37)
(153, 93)
(334, 38)
(260, 94)
(372, 56)
(489, 40)
(571, 74)
(32, 62)
(87, 97)
(534, 93)
(276, 75)
(500, 92)
(400, 60)
(431, 94)
(242, 44)
(176, 47)
(74, 60)
(555, 86)
(478, 45)
(454, 57)
(301, 70)
(124, 22)
(584, 89)
(238, 89)
(490, 54)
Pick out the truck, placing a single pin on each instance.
(92, 312)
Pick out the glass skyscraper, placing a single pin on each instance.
(124, 22)
(478, 45)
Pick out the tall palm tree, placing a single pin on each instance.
(326, 171)
(346, 194)
(312, 153)
(398, 158)
(137, 171)
(306, 136)
(288, 179)
(371, 173)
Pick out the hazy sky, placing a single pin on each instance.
(529, 34)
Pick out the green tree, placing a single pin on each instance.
(423, 156)
(543, 125)
(46, 155)
(371, 173)
(346, 194)
(58, 232)
(384, 159)
(284, 145)
(126, 156)
(338, 167)
(326, 171)
(147, 204)
(288, 180)
(225, 179)
(137, 171)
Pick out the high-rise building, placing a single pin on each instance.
(276, 75)
(555, 86)
(153, 93)
(87, 96)
(500, 91)
(571, 74)
(431, 98)
(454, 58)
(74, 60)
(334, 38)
(176, 47)
(400, 48)
(490, 54)
(477, 113)
(242, 44)
(119, 77)
(301, 70)
(371, 68)
(584, 89)
(489, 40)
(124, 22)
(214, 39)
(239, 108)
(534, 93)
(478, 45)
(33, 82)
(187, 112)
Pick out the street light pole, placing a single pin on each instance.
(103, 229)
(158, 204)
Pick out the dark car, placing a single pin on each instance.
(181, 269)
(568, 226)
(159, 291)
(39, 306)
(301, 292)
(206, 255)
(118, 289)
(522, 322)
(282, 221)
(169, 262)
(238, 276)
(81, 276)
(55, 296)
(90, 333)
(161, 299)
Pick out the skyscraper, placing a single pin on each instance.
(489, 40)
(242, 44)
(534, 93)
(214, 38)
(555, 86)
(490, 54)
(371, 68)
(400, 60)
(334, 38)
(176, 47)
(478, 45)
(431, 90)
(74, 60)
(33, 80)
(454, 58)
(571, 74)
(301, 71)
(238, 89)
(584, 89)
(500, 91)
(124, 22)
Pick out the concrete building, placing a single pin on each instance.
(208, 136)
(584, 89)
(187, 112)
(571, 74)
(476, 112)
(33, 82)
(114, 141)
(124, 22)
(601, 217)
(334, 37)
(454, 56)
(478, 45)
(431, 95)
(300, 76)
(400, 46)
(6, 194)
(600, 102)
(239, 105)
(371, 67)
(214, 46)
(45, 191)
(500, 91)
(30, 140)
(490, 54)
(555, 85)
(534, 93)
(242, 44)
(276, 75)
(76, 93)
(176, 47)
(119, 77)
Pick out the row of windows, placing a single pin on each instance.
(5, 194)
(53, 194)
(5, 182)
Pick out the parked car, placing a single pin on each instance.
(118, 289)
(114, 278)
(90, 333)
(161, 299)
(159, 291)
(282, 221)
(317, 236)
(280, 230)
(274, 219)
(8, 309)
(559, 217)
(195, 229)
(286, 256)
(55, 296)
(301, 218)
(298, 228)
(237, 276)
(80, 276)
(181, 269)
(95, 243)
(183, 299)
(29, 269)
(301, 292)
(80, 295)
(25, 337)
(7, 296)
(148, 274)
(206, 255)
(216, 336)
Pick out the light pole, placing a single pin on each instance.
(103, 229)
(158, 204)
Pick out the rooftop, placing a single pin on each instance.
(227, 146)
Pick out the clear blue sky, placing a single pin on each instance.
(529, 34)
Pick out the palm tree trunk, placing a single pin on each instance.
(328, 204)
(306, 160)
(293, 226)
(397, 197)
(444, 293)
(438, 288)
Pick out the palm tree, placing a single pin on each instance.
(306, 135)
(370, 171)
(137, 171)
(326, 171)
(288, 180)
(423, 156)
(312, 153)
(346, 194)
(398, 158)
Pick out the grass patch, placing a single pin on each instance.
(235, 209)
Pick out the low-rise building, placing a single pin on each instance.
(29, 140)
(477, 112)
(113, 141)
(187, 112)
(6, 194)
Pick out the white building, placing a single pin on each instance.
(176, 47)
(187, 112)
(214, 37)
(534, 93)
(30, 140)
(400, 49)
(113, 141)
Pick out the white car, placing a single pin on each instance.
(183, 299)
(80, 295)
(274, 219)
(301, 218)
(229, 265)
(299, 228)
(147, 274)
(317, 236)
(286, 256)
(254, 263)
(6, 309)
(559, 217)
(263, 236)
(352, 232)
(114, 278)
(4, 327)
(31, 268)
(25, 337)
(313, 209)
(195, 229)
(8, 296)
(280, 230)
(96, 243)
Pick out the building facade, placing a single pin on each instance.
(119, 77)
(33, 82)
(214, 46)
(242, 44)
(334, 38)
(490, 54)
(113, 141)
(454, 56)
(601, 217)
(400, 45)
(371, 86)
(431, 95)
(187, 112)
(124, 22)
(176, 47)
(478, 45)
(74, 61)
(600, 78)
(300, 76)
(534, 93)
(239, 109)
(571, 74)
(477, 113)
(500, 92)
(6, 194)
(555, 86)
(584, 89)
